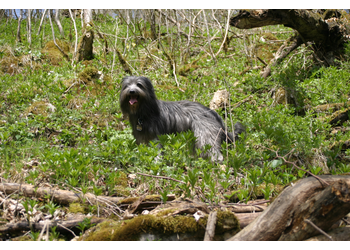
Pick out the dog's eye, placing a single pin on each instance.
(140, 85)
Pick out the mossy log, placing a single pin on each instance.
(331, 107)
(308, 199)
(339, 117)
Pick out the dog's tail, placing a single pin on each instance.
(238, 129)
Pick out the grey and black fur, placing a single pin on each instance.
(150, 117)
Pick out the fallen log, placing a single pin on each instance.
(285, 216)
(59, 196)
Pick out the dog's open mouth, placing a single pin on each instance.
(133, 99)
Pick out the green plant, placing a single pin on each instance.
(51, 207)
(84, 225)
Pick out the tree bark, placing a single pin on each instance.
(58, 22)
(324, 209)
(18, 36)
(29, 27)
(328, 35)
(41, 22)
(285, 216)
(86, 44)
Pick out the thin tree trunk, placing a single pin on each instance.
(41, 22)
(18, 36)
(58, 22)
(76, 34)
(29, 27)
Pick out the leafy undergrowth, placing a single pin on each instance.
(62, 124)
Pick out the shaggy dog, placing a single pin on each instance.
(150, 117)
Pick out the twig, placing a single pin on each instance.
(58, 224)
(174, 73)
(261, 60)
(319, 229)
(255, 204)
(46, 226)
(161, 177)
(209, 39)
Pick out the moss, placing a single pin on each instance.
(88, 74)
(76, 208)
(133, 199)
(52, 53)
(39, 108)
(10, 65)
(131, 229)
(226, 220)
(101, 232)
(269, 36)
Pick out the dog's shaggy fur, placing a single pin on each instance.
(150, 117)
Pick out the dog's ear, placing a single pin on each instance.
(125, 78)
(147, 81)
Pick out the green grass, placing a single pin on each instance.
(88, 146)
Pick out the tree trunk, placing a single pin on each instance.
(86, 44)
(152, 20)
(327, 33)
(41, 22)
(18, 36)
(308, 199)
(29, 27)
(58, 22)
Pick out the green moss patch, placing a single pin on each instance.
(158, 225)
(52, 53)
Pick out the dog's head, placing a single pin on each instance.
(136, 92)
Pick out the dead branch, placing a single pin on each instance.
(12, 228)
(319, 229)
(282, 53)
(210, 230)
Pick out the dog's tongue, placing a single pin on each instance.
(133, 101)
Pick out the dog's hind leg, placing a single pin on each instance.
(208, 134)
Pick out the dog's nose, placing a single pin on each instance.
(132, 92)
